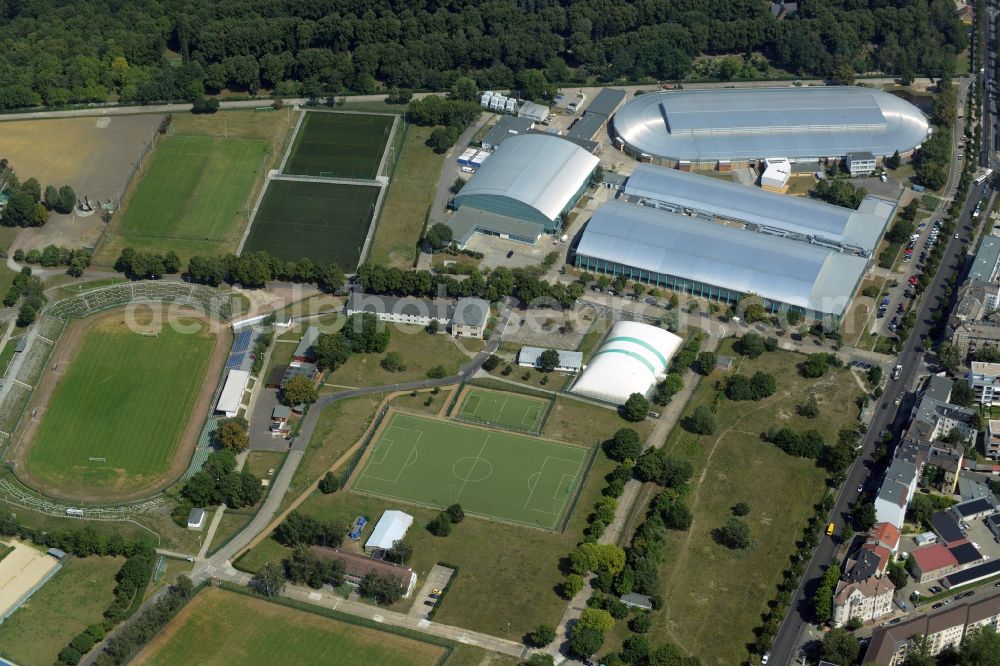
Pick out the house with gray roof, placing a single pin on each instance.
(470, 317)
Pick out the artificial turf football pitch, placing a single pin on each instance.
(514, 412)
(326, 222)
(339, 145)
(496, 474)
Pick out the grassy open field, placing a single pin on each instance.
(489, 472)
(125, 397)
(194, 196)
(338, 427)
(419, 350)
(407, 201)
(74, 597)
(323, 221)
(339, 145)
(219, 628)
(508, 410)
(507, 573)
(702, 580)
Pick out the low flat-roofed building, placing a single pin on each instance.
(357, 567)
(993, 523)
(232, 393)
(586, 127)
(405, 310)
(947, 528)
(569, 361)
(974, 509)
(984, 266)
(468, 221)
(776, 175)
(939, 388)
(391, 527)
(932, 562)
(606, 102)
(636, 600)
(303, 352)
(196, 519)
(861, 163)
(538, 113)
(506, 127)
(972, 575)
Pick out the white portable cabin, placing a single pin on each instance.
(511, 105)
(466, 156)
(478, 159)
(497, 103)
(484, 101)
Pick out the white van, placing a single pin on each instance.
(468, 169)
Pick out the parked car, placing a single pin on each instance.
(937, 605)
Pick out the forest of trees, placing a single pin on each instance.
(64, 51)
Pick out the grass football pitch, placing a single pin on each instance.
(339, 145)
(125, 397)
(516, 412)
(323, 221)
(196, 188)
(219, 628)
(491, 473)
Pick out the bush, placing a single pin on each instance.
(815, 365)
(393, 362)
(455, 513)
(490, 364)
(635, 408)
(330, 483)
(437, 372)
(758, 387)
(624, 445)
(701, 422)
(541, 636)
(572, 584)
(750, 345)
(440, 525)
(741, 509)
(641, 623)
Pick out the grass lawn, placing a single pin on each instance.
(259, 463)
(85, 418)
(338, 427)
(193, 197)
(574, 421)
(325, 222)
(75, 288)
(506, 573)
(420, 351)
(74, 597)
(593, 337)
(702, 580)
(341, 145)
(929, 202)
(7, 236)
(221, 628)
(7, 353)
(407, 202)
(418, 402)
(491, 473)
(546, 381)
(508, 410)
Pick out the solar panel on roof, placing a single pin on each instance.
(235, 361)
(242, 341)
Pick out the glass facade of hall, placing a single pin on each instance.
(684, 285)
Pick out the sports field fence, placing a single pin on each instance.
(571, 507)
(356, 620)
(454, 398)
(356, 458)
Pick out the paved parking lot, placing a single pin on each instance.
(436, 579)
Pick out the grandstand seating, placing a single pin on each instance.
(242, 342)
(235, 361)
(198, 296)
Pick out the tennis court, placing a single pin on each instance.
(491, 473)
(339, 145)
(506, 410)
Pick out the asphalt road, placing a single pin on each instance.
(786, 644)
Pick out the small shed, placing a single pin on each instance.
(389, 529)
(723, 363)
(196, 519)
(280, 413)
(56, 553)
(537, 112)
(21, 344)
(925, 539)
(635, 600)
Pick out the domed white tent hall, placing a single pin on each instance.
(633, 358)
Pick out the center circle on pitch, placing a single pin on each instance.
(472, 469)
